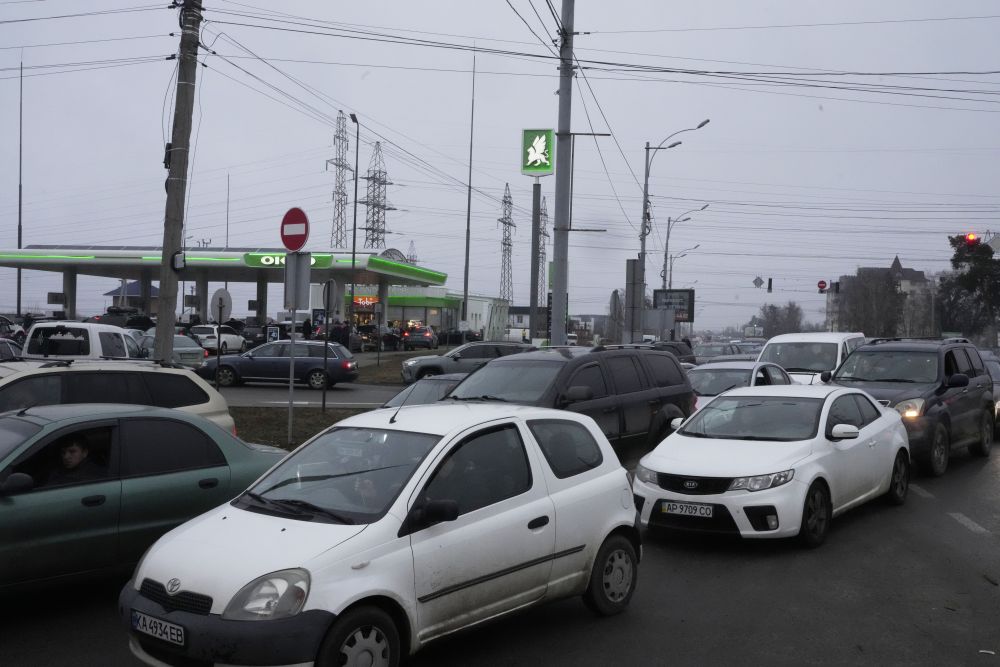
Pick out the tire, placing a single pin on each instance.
(225, 348)
(613, 577)
(986, 430)
(817, 513)
(899, 480)
(225, 376)
(243, 347)
(936, 461)
(316, 379)
(362, 636)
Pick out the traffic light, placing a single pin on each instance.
(971, 240)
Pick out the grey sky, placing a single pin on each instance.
(779, 164)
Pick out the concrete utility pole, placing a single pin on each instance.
(560, 243)
(177, 163)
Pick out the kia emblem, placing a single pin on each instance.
(173, 586)
(690, 484)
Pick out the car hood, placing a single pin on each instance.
(223, 550)
(890, 391)
(804, 377)
(428, 358)
(707, 457)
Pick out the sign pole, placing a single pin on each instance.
(291, 375)
(294, 230)
(327, 290)
(218, 339)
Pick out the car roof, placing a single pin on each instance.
(910, 345)
(815, 337)
(19, 368)
(444, 418)
(726, 365)
(46, 414)
(789, 390)
(95, 326)
(444, 377)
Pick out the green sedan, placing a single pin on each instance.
(89, 487)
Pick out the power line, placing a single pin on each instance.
(124, 10)
(528, 26)
(795, 25)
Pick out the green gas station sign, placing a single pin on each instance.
(276, 260)
(538, 152)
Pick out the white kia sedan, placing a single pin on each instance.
(767, 462)
(386, 531)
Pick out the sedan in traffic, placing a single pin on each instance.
(89, 487)
(187, 352)
(270, 363)
(420, 337)
(770, 462)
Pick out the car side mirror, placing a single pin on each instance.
(958, 380)
(456, 356)
(825, 376)
(17, 482)
(428, 514)
(844, 432)
(676, 423)
(578, 393)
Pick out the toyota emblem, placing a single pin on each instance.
(690, 484)
(173, 586)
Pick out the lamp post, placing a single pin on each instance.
(673, 258)
(645, 219)
(666, 245)
(354, 226)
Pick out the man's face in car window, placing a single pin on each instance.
(73, 455)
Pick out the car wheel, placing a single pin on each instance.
(225, 348)
(899, 480)
(243, 347)
(613, 578)
(363, 636)
(986, 430)
(816, 515)
(936, 461)
(316, 379)
(225, 376)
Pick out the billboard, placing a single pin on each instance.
(681, 301)
(537, 152)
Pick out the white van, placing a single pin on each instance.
(67, 341)
(805, 356)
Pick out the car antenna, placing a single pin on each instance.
(392, 419)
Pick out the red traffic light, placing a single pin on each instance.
(971, 239)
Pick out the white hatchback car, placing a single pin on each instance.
(209, 335)
(388, 530)
(767, 462)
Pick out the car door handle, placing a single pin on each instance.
(965, 391)
(872, 443)
(538, 522)
(93, 501)
(209, 483)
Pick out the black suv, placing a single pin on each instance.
(633, 393)
(679, 349)
(940, 387)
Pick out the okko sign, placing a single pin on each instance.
(538, 152)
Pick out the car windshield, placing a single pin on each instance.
(778, 418)
(13, 432)
(889, 366)
(711, 350)
(714, 381)
(423, 391)
(203, 330)
(345, 475)
(802, 357)
(514, 381)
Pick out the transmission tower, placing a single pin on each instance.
(507, 245)
(376, 202)
(411, 254)
(338, 233)
(544, 228)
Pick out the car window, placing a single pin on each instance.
(879, 365)
(666, 372)
(854, 343)
(157, 446)
(590, 376)
(132, 347)
(80, 456)
(802, 357)
(776, 375)
(755, 418)
(112, 344)
(477, 352)
(171, 390)
(203, 331)
(510, 379)
(624, 374)
(484, 469)
(962, 362)
(5, 352)
(14, 431)
(505, 350)
(993, 367)
(869, 413)
(228, 330)
(59, 340)
(39, 390)
(977, 363)
(109, 387)
(568, 446)
(761, 377)
(843, 411)
(708, 381)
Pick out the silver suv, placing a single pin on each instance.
(464, 359)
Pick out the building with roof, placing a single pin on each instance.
(880, 301)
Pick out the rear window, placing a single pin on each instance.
(61, 340)
(666, 372)
(112, 344)
(568, 447)
(172, 390)
(203, 330)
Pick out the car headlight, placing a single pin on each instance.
(276, 595)
(409, 362)
(645, 475)
(910, 408)
(761, 482)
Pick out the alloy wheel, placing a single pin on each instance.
(617, 579)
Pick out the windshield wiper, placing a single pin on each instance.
(320, 478)
(793, 369)
(310, 507)
(895, 380)
(693, 435)
(851, 377)
(490, 397)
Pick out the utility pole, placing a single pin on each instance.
(177, 164)
(20, 143)
(560, 244)
(468, 200)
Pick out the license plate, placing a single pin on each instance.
(687, 509)
(154, 627)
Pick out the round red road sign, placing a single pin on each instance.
(821, 284)
(294, 229)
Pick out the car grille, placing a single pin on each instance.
(721, 521)
(195, 603)
(682, 484)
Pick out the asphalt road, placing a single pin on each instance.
(911, 585)
(346, 395)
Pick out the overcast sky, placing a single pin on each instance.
(808, 175)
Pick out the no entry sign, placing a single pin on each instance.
(294, 229)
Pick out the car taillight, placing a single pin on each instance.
(206, 354)
(427, 335)
(406, 334)
(347, 365)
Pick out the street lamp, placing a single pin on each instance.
(645, 227)
(354, 226)
(666, 245)
(673, 258)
